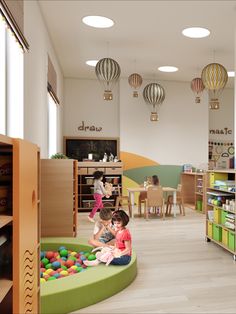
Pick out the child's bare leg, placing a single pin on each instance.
(111, 243)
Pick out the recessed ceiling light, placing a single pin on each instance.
(92, 63)
(231, 74)
(98, 21)
(168, 68)
(196, 32)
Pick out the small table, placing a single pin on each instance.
(131, 192)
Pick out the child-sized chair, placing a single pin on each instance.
(179, 201)
(154, 199)
(123, 200)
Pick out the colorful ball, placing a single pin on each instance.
(64, 273)
(69, 263)
(61, 248)
(49, 254)
(64, 253)
(51, 278)
(42, 255)
(45, 261)
(48, 266)
(42, 280)
(56, 265)
(91, 257)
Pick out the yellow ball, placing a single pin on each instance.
(42, 280)
(73, 253)
(48, 271)
(64, 273)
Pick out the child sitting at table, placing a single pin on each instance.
(104, 231)
(143, 195)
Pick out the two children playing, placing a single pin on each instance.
(111, 231)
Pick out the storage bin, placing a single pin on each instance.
(231, 241)
(217, 215)
(217, 176)
(5, 167)
(199, 205)
(4, 198)
(209, 229)
(225, 236)
(217, 233)
(223, 216)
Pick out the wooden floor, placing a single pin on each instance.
(178, 272)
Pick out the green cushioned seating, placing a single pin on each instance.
(83, 289)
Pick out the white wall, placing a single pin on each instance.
(84, 102)
(35, 79)
(180, 135)
(223, 117)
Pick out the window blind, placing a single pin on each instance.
(13, 14)
(52, 81)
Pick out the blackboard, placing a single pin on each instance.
(79, 148)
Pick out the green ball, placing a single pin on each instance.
(45, 261)
(80, 268)
(64, 267)
(72, 258)
(48, 266)
(51, 278)
(64, 253)
(91, 257)
(87, 254)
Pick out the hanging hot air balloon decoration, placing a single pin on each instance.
(154, 94)
(135, 81)
(108, 72)
(197, 87)
(214, 77)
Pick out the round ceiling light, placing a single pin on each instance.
(97, 21)
(168, 68)
(196, 32)
(231, 74)
(92, 63)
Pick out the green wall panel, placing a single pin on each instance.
(169, 175)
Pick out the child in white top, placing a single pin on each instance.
(99, 192)
(104, 231)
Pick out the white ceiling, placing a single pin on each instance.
(146, 35)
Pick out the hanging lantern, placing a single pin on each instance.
(108, 72)
(214, 77)
(135, 80)
(154, 94)
(197, 87)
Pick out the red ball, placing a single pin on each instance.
(77, 255)
(69, 263)
(53, 260)
(42, 269)
(70, 270)
(59, 270)
(49, 254)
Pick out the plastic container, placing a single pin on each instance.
(217, 215)
(225, 236)
(217, 233)
(223, 216)
(211, 215)
(231, 241)
(199, 205)
(209, 229)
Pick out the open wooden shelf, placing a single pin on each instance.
(5, 219)
(5, 286)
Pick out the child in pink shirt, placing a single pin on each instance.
(123, 240)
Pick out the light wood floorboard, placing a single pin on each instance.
(178, 272)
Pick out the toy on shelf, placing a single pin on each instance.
(109, 189)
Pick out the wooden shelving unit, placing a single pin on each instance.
(113, 172)
(220, 209)
(59, 197)
(19, 236)
(193, 186)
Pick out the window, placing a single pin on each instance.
(11, 85)
(52, 126)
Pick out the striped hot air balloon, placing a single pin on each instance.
(214, 77)
(135, 80)
(154, 94)
(197, 87)
(108, 72)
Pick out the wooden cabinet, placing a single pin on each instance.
(59, 197)
(193, 185)
(113, 172)
(220, 209)
(19, 226)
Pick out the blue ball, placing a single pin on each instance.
(56, 275)
(42, 254)
(83, 258)
(77, 264)
(61, 248)
(64, 258)
(81, 253)
(56, 265)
